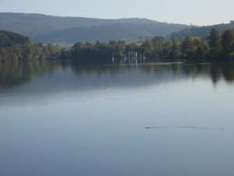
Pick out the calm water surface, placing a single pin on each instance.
(161, 120)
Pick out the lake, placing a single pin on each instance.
(151, 120)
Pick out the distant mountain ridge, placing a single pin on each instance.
(45, 28)
(202, 31)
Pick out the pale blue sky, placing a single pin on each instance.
(199, 12)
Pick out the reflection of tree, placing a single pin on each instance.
(14, 73)
(228, 72)
(215, 74)
(213, 71)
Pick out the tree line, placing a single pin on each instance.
(216, 47)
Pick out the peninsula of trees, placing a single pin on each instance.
(15, 48)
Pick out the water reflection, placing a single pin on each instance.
(61, 119)
(216, 71)
(15, 74)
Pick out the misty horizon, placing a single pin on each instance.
(201, 13)
(113, 18)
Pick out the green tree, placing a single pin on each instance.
(227, 41)
(194, 48)
(187, 47)
(214, 39)
(214, 44)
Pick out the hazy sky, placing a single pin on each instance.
(180, 11)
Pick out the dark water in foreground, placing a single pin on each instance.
(168, 120)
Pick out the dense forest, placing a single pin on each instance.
(15, 48)
(216, 47)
